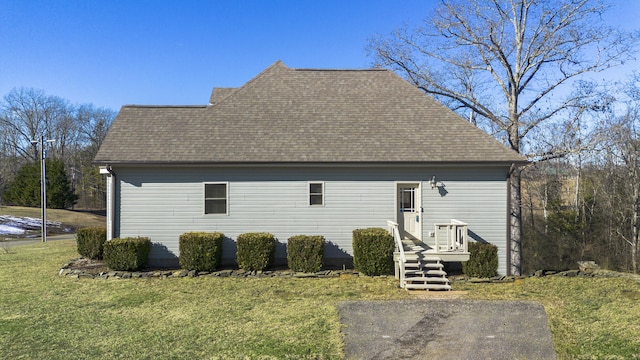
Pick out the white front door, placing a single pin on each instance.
(409, 205)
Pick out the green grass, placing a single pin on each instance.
(44, 316)
(590, 318)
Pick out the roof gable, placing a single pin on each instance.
(303, 115)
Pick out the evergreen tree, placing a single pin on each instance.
(60, 195)
(25, 189)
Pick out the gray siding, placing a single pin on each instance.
(163, 203)
(476, 197)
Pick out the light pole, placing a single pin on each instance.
(43, 182)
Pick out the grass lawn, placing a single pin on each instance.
(44, 316)
(590, 318)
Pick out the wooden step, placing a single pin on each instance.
(427, 279)
(423, 257)
(433, 272)
(420, 265)
(427, 287)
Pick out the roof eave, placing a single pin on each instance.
(308, 163)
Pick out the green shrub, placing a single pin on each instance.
(373, 251)
(255, 250)
(305, 253)
(91, 242)
(127, 254)
(483, 260)
(200, 251)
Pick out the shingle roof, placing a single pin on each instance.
(303, 115)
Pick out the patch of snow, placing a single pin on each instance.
(11, 225)
(10, 230)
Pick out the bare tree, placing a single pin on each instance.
(620, 140)
(93, 124)
(509, 65)
(26, 114)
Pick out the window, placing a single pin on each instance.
(408, 199)
(215, 198)
(316, 193)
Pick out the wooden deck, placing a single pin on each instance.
(455, 255)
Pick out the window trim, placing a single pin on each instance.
(204, 198)
(309, 193)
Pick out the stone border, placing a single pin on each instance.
(67, 270)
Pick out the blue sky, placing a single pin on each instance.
(117, 52)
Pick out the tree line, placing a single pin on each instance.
(76, 131)
(586, 205)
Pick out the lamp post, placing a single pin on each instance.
(43, 182)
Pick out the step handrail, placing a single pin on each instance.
(393, 229)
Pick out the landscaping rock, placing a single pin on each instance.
(588, 266)
(539, 273)
(570, 273)
(180, 273)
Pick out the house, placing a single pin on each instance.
(307, 151)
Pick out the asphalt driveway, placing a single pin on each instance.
(446, 329)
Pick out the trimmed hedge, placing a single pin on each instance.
(483, 260)
(305, 253)
(373, 251)
(127, 254)
(255, 250)
(91, 241)
(200, 251)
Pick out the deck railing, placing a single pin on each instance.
(451, 237)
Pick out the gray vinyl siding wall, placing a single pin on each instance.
(163, 203)
(477, 197)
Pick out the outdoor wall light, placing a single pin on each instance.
(433, 182)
